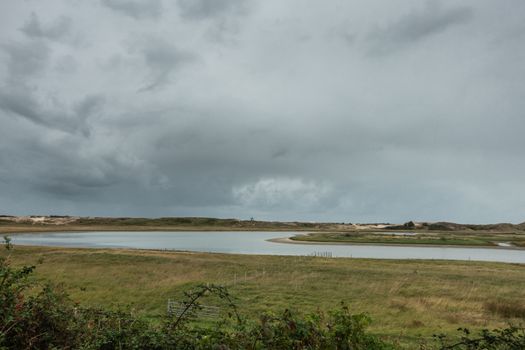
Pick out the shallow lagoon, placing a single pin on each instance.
(237, 242)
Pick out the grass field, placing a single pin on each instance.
(516, 239)
(408, 300)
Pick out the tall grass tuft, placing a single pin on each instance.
(506, 308)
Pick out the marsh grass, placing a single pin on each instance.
(507, 308)
(407, 300)
(461, 238)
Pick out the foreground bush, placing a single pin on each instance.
(34, 316)
(512, 338)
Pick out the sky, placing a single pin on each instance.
(345, 111)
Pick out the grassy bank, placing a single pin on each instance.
(406, 299)
(488, 239)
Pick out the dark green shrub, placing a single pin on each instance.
(512, 338)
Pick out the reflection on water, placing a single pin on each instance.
(257, 243)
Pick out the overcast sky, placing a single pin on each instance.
(354, 111)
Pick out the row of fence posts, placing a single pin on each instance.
(321, 254)
(239, 278)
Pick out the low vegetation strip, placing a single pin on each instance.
(507, 240)
(13, 224)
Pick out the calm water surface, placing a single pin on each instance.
(257, 243)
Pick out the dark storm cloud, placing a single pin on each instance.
(27, 61)
(21, 103)
(74, 177)
(417, 25)
(56, 30)
(142, 9)
(61, 170)
(239, 109)
(202, 9)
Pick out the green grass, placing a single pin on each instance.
(424, 238)
(408, 300)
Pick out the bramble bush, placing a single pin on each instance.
(41, 316)
(511, 338)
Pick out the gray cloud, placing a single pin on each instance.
(56, 30)
(150, 9)
(21, 103)
(25, 59)
(417, 25)
(63, 168)
(89, 106)
(228, 109)
(162, 60)
(19, 97)
(202, 9)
